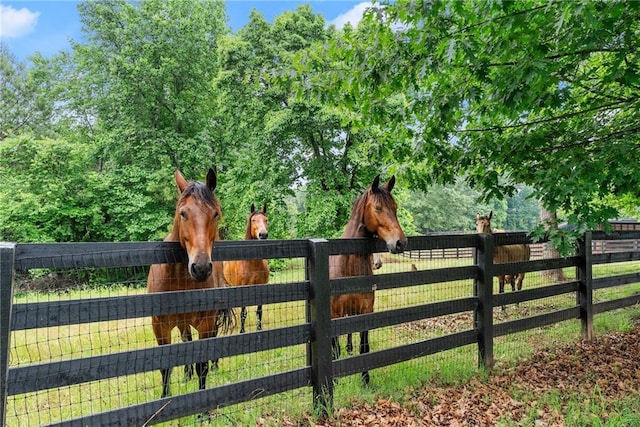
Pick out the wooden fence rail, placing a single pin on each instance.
(315, 334)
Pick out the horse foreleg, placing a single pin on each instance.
(259, 316)
(163, 337)
(501, 286)
(187, 337)
(243, 317)
(349, 344)
(364, 348)
(520, 278)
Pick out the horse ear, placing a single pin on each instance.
(212, 179)
(490, 214)
(391, 183)
(376, 183)
(477, 216)
(253, 208)
(264, 209)
(180, 181)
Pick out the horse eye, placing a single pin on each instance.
(183, 215)
(378, 208)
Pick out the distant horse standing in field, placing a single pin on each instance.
(506, 253)
(195, 227)
(250, 271)
(374, 214)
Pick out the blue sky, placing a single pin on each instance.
(46, 26)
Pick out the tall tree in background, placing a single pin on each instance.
(545, 93)
(139, 83)
(26, 106)
(282, 141)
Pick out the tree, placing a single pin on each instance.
(505, 93)
(50, 192)
(25, 107)
(283, 141)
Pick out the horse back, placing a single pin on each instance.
(246, 272)
(512, 253)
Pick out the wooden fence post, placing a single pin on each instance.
(320, 317)
(483, 289)
(584, 274)
(7, 258)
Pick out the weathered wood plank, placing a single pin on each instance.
(509, 297)
(57, 313)
(377, 359)
(616, 304)
(348, 285)
(127, 254)
(622, 279)
(382, 319)
(45, 376)
(174, 407)
(538, 321)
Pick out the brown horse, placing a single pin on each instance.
(376, 264)
(195, 226)
(506, 253)
(250, 271)
(374, 214)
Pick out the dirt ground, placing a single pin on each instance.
(610, 362)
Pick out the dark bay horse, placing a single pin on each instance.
(195, 226)
(250, 271)
(506, 253)
(374, 214)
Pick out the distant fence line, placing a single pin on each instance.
(316, 290)
(537, 250)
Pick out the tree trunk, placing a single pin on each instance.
(550, 220)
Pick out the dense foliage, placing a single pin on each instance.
(536, 92)
(474, 106)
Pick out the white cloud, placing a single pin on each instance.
(16, 22)
(354, 15)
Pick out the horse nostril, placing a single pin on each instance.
(200, 272)
(264, 236)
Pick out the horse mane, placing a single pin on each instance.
(201, 193)
(247, 231)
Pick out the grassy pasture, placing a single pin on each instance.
(450, 367)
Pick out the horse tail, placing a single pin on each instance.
(226, 321)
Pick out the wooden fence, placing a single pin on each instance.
(316, 333)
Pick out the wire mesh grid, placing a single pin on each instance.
(76, 341)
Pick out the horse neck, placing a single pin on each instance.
(355, 226)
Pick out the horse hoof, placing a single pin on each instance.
(203, 417)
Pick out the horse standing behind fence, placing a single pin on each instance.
(374, 214)
(506, 253)
(376, 264)
(195, 226)
(250, 271)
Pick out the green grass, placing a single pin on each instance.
(394, 382)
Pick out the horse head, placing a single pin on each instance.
(196, 222)
(258, 224)
(483, 223)
(380, 215)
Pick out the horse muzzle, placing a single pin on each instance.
(397, 246)
(200, 271)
